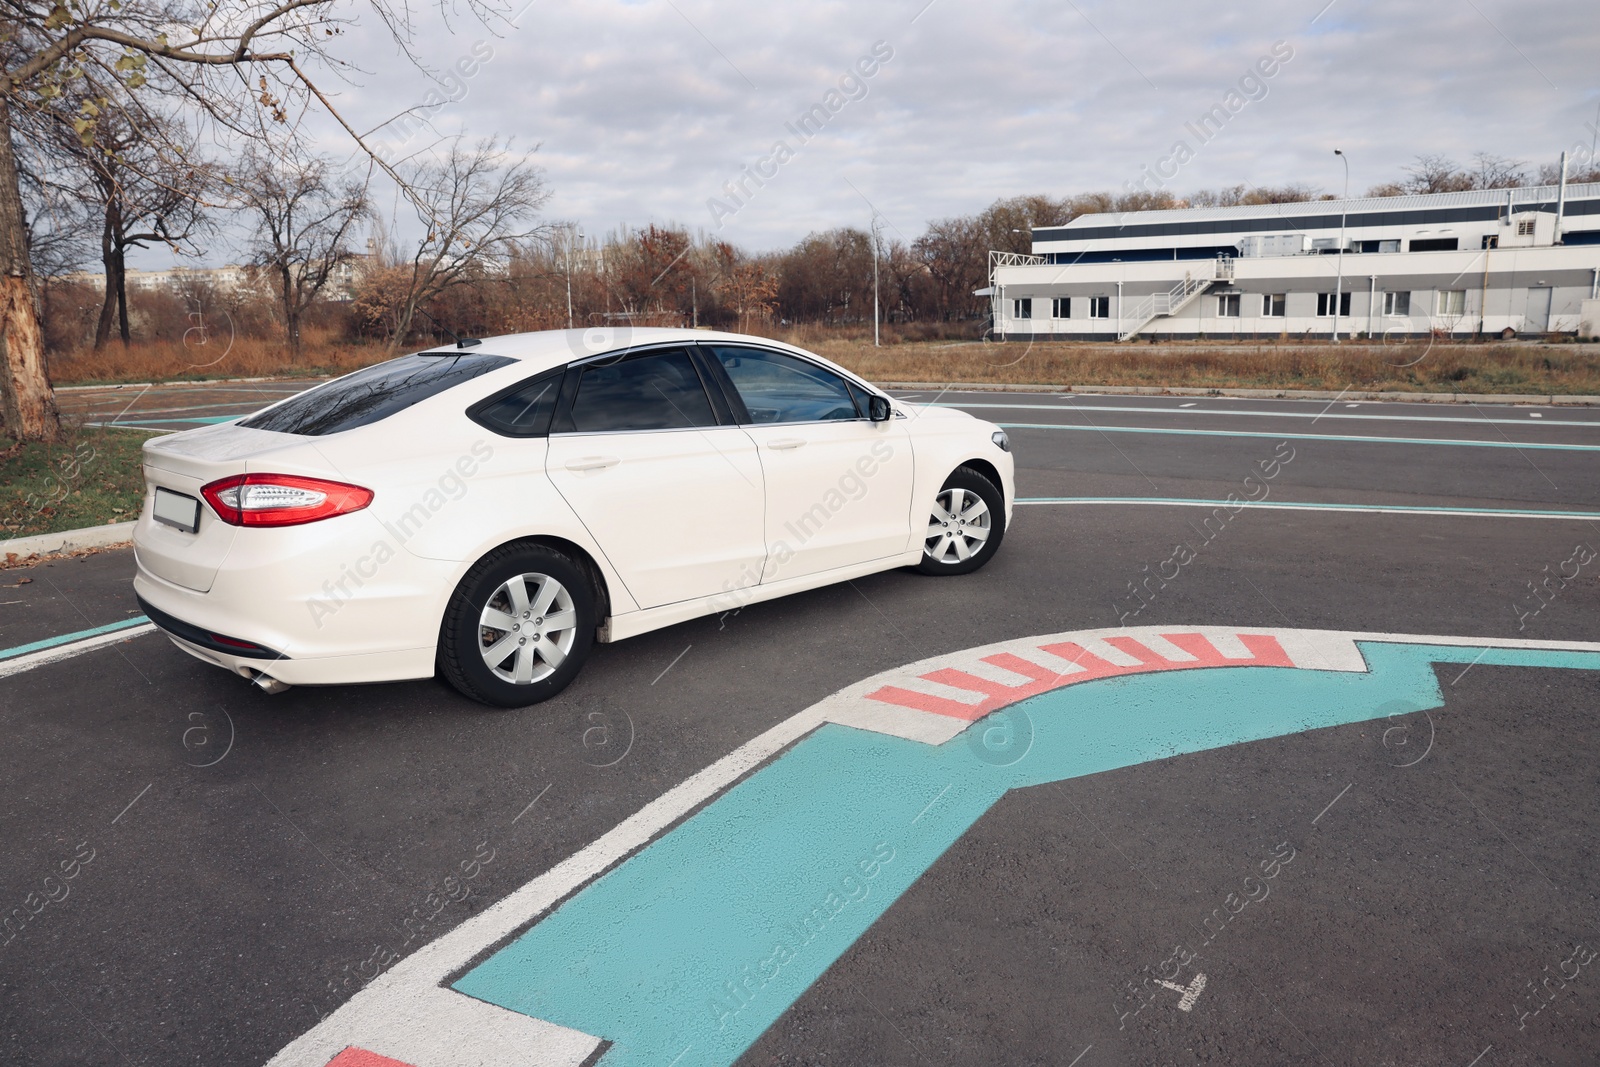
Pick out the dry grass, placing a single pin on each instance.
(1442, 367)
(201, 358)
(1418, 367)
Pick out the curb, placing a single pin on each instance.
(185, 383)
(51, 544)
(1543, 399)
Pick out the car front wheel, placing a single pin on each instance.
(966, 526)
(518, 627)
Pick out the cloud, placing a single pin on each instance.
(642, 110)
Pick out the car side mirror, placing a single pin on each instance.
(878, 409)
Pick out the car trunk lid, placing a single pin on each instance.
(182, 464)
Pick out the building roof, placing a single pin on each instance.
(1531, 195)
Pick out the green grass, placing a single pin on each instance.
(91, 478)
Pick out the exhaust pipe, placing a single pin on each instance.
(268, 684)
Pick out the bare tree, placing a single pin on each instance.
(227, 60)
(1436, 174)
(955, 254)
(125, 173)
(474, 206)
(747, 286)
(304, 221)
(1498, 172)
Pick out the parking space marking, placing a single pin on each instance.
(694, 924)
(1246, 413)
(1454, 442)
(61, 639)
(1293, 505)
(66, 646)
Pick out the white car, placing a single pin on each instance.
(489, 510)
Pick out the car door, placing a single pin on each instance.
(838, 484)
(670, 492)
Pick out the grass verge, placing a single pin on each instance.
(1527, 369)
(92, 478)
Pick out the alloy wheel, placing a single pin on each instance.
(527, 628)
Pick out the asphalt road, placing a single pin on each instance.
(252, 854)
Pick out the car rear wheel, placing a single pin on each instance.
(966, 526)
(518, 627)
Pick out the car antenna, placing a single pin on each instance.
(461, 342)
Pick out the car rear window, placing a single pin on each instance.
(374, 393)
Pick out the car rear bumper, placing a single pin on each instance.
(332, 670)
(324, 606)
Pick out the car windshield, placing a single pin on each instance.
(374, 393)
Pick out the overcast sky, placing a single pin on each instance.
(642, 111)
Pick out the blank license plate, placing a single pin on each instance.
(178, 510)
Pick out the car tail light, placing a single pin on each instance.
(281, 499)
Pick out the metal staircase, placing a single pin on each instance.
(1174, 300)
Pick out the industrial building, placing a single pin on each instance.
(1498, 262)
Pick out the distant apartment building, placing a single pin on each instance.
(1483, 262)
(229, 279)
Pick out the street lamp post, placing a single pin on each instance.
(875, 313)
(569, 275)
(1344, 206)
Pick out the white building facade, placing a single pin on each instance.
(1464, 264)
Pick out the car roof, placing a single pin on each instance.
(554, 348)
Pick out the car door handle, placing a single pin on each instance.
(593, 463)
(785, 443)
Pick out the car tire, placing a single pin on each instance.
(965, 525)
(494, 645)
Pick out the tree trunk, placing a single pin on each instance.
(108, 310)
(120, 265)
(402, 326)
(291, 313)
(27, 401)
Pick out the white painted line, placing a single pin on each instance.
(77, 648)
(1267, 505)
(1131, 410)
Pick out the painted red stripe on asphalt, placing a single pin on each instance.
(360, 1057)
(1265, 651)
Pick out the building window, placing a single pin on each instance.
(1099, 307)
(1434, 244)
(1325, 304)
(1061, 307)
(1397, 303)
(1491, 240)
(1273, 304)
(1452, 302)
(1228, 305)
(1023, 308)
(1524, 227)
(1389, 246)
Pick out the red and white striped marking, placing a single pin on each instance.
(1064, 663)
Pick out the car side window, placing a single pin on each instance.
(777, 387)
(524, 410)
(650, 391)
